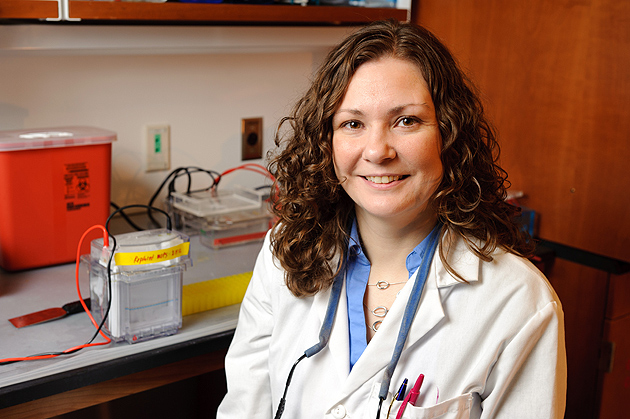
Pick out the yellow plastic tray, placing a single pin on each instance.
(214, 293)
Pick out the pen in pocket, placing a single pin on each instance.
(402, 390)
(412, 397)
(415, 391)
(400, 395)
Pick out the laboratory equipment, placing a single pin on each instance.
(223, 218)
(142, 293)
(54, 184)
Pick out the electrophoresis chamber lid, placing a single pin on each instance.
(143, 250)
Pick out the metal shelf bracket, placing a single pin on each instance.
(64, 13)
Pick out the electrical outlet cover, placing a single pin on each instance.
(251, 138)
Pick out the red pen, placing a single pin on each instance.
(412, 396)
(415, 391)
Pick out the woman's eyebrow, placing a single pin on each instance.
(351, 111)
(393, 111)
(400, 109)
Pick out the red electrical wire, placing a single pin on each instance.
(252, 167)
(76, 348)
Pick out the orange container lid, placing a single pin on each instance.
(37, 138)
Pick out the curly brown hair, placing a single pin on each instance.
(313, 209)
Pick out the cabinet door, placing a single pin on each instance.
(615, 383)
(615, 389)
(198, 12)
(583, 293)
(28, 9)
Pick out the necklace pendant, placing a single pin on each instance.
(380, 311)
(376, 325)
(382, 285)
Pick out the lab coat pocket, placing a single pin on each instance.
(457, 408)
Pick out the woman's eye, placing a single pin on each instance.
(352, 125)
(407, 121)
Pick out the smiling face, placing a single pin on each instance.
(386, 143)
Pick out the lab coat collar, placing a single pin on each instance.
(461, 259)
(377, 355)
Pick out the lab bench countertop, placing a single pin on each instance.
(37, 289)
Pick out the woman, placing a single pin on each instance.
(395, 255)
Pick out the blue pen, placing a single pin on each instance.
(400, 394)
(401, 391)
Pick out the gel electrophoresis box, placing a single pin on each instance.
(143, 291)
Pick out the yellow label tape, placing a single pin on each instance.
(153, 256)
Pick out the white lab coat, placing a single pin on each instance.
(489, 348)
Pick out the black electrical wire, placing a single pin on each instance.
(148, 207)
(126, 217)
(172, 177)
(109, 285)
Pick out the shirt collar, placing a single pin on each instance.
(414, 258)
(354, 245)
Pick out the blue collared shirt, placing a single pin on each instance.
(357, 274)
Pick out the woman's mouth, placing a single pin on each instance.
(383, 179)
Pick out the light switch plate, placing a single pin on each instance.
(158, 143)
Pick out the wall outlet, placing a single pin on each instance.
(158, 142)
(251, 138)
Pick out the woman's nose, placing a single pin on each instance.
(378, 146)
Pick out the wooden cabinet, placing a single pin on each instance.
(615, 380)
(553, 78)
(583, 293)
(174, 12)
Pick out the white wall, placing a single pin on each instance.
(202, 96)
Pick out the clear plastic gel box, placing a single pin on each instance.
(146, 284)
(210, 203)
(224, 218)
(236, 228)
